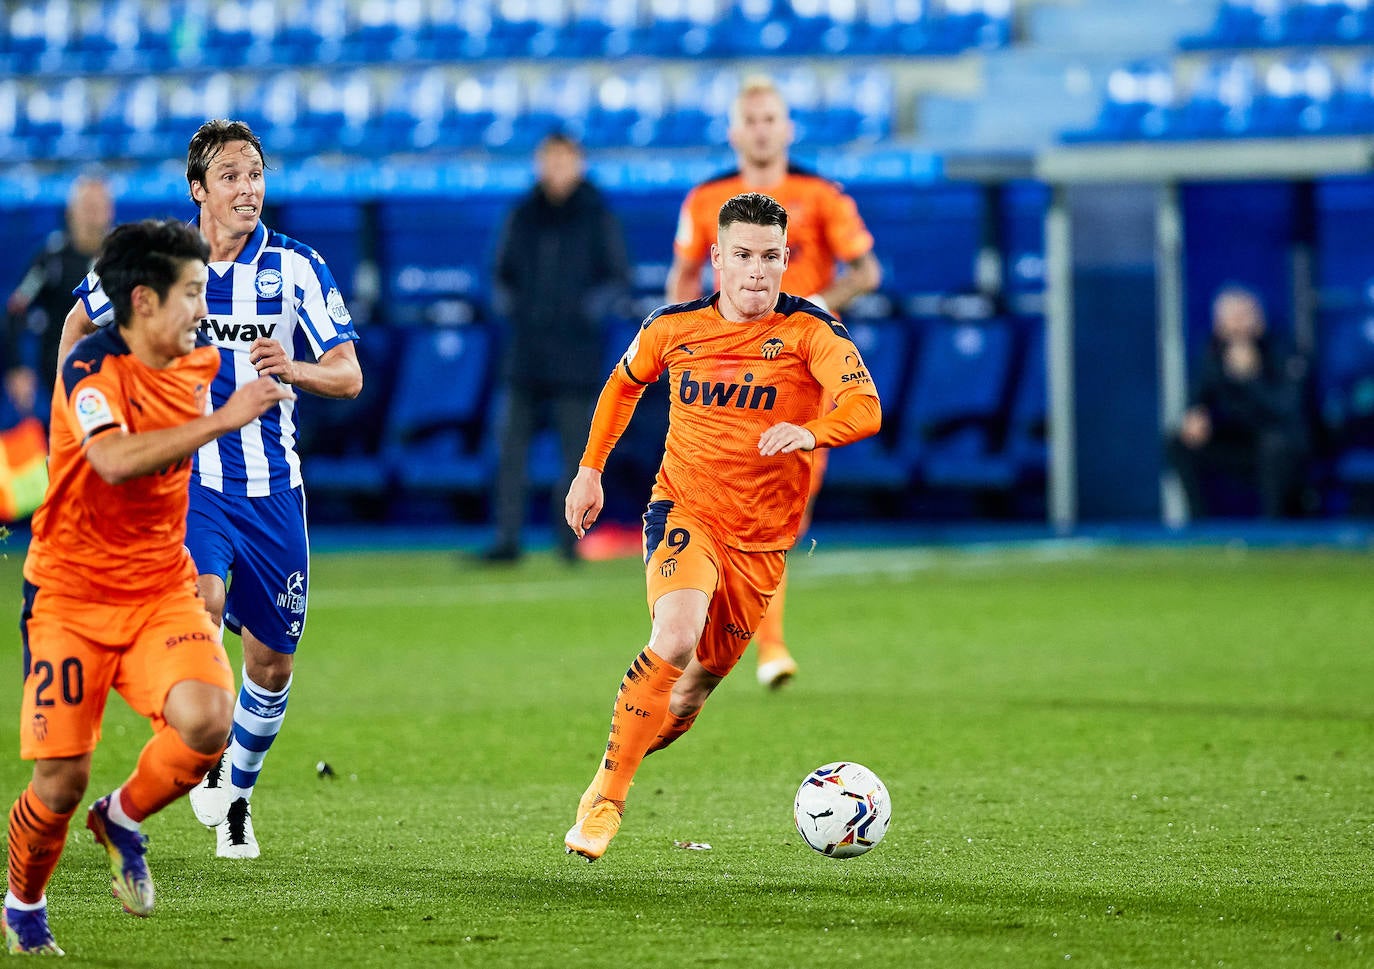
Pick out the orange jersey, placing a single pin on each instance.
(116, 542)
(729, 382)
(823, 225)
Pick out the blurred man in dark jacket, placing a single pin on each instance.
(1245, 416)
(560, 267)
(40, 302)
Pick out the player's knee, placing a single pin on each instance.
(202, 714)
(61, 784)
(211, 589)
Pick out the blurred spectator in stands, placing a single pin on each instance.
(40, 303)
(1245, 416)
(561, 266)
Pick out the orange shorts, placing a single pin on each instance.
(681, 553)
(76, 650)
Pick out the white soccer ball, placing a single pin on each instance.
(842, 809)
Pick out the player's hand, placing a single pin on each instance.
(269, 358)
(585, 500)
(254, 399)
(784, 439)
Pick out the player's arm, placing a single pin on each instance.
(684, 280)
(861, 277)
(336, 374)
(855, 417)
(614, 408)
(76, 326)
(119, 456)
(691, 246)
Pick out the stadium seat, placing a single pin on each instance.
(1295, 98)
(1345, 378)
(874, 462)
(1219, 102)
(1138, 97)
(341, 440)
(1026, 443)
(437, 434)
(955, 410)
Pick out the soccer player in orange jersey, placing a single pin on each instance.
(110, 596)
(748, 368)
(824, 231)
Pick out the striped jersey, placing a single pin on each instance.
(277, 288)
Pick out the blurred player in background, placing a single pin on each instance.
(40, 302)
(824, 232)
(748, 368)
(268, 295)
(110, 597)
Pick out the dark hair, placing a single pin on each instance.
(752, 208)
(207, 142)
(561, 139)
(150, 253)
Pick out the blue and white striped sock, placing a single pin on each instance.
(258, 715)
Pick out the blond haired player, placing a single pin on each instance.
(748, 368)
(824, 232)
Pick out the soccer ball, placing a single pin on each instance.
(842, 809)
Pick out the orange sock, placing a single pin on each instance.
(641, 705)
(769, 634)
(673, 728)
(37, 835)
(166, 769)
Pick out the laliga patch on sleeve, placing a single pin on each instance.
(334, 302)
(92, 409)
(630, 353)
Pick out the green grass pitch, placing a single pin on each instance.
(1097, 757)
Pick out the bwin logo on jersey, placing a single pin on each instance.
(771, 348)
(268, 283)
(293, 598)
(721, 394)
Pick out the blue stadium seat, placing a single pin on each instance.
(682, 28)
(626, 110)
(1136, 105)
(311, 33)
(437, 435)
(1026, 443)
(437, 252)
(341, 440)
(1219, 102)
(955, 410)
(1295, 98)
(926, 237)
(1239, 24)
(875, 462)
(1345, 392)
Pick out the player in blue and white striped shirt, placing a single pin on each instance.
(274, 309)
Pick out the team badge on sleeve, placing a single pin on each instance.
(92, 410)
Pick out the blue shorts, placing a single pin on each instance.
(259, 547)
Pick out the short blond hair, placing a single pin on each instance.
(750, 86)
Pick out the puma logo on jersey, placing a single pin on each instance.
(86, 365)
